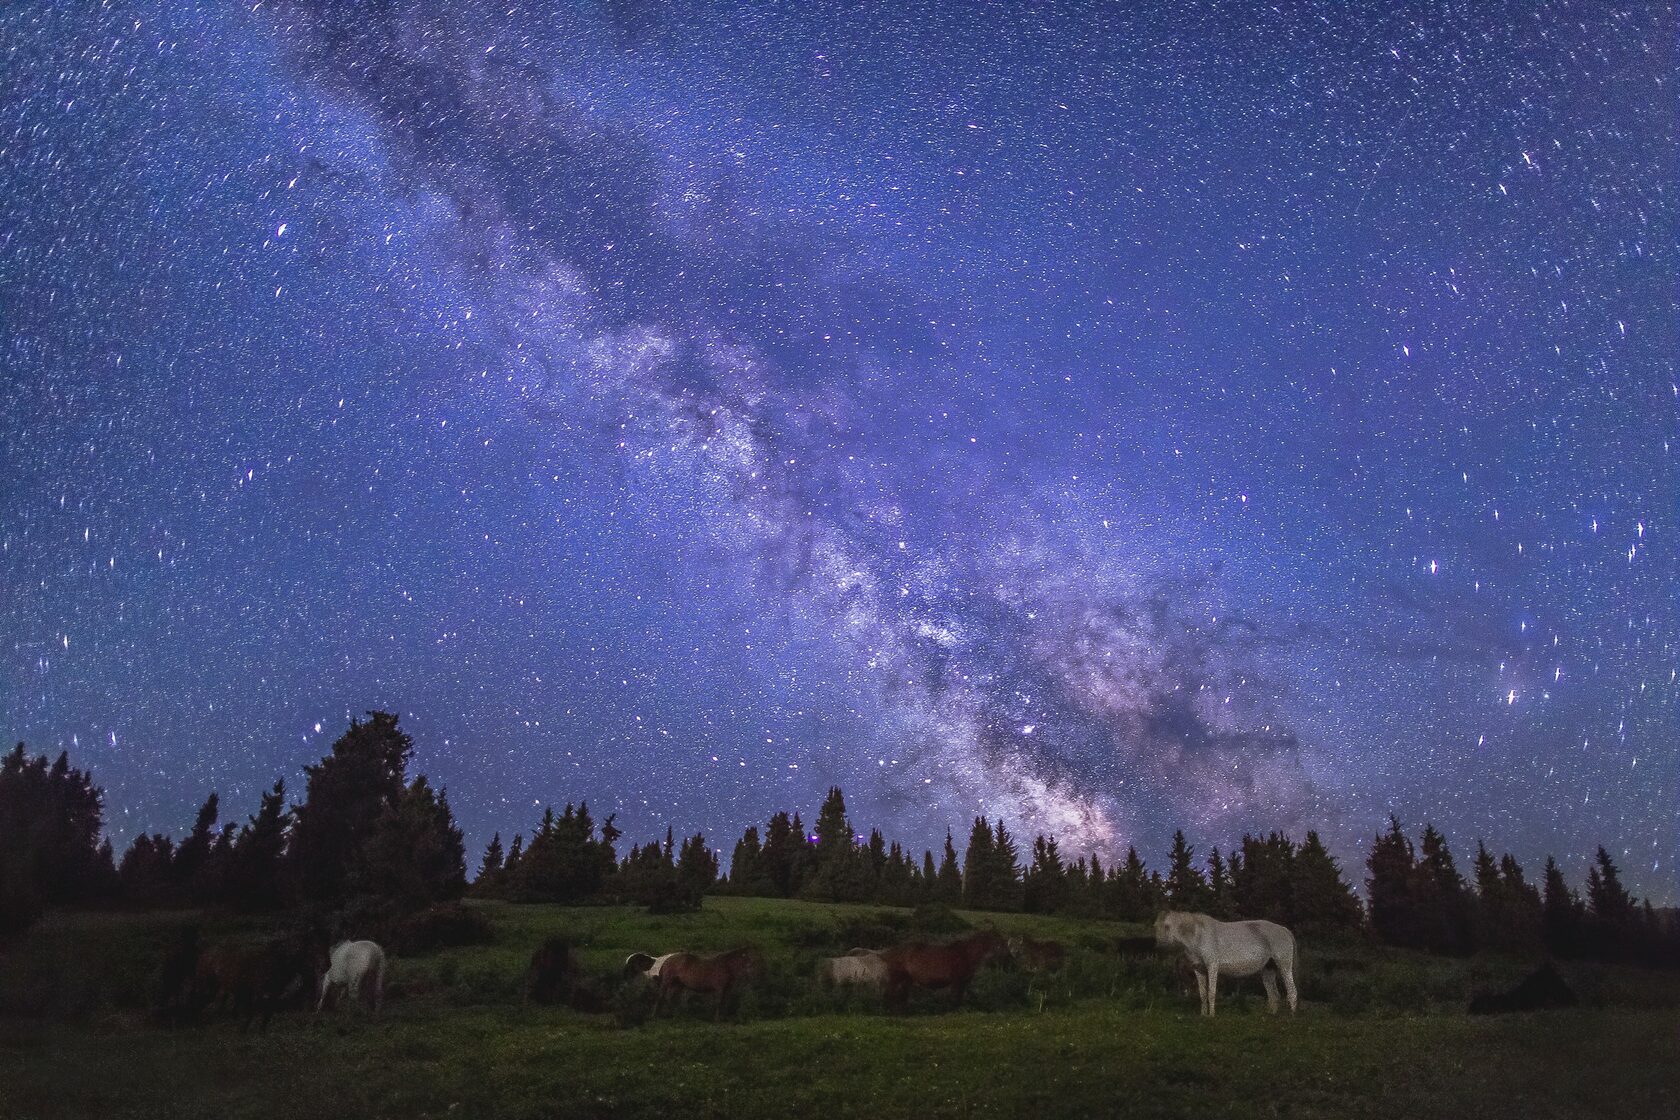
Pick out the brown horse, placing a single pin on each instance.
(554, 973)
(254, 978)
(919, 965)
(719, 974)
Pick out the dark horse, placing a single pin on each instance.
(719, 974)
(919, 965)
(253, 979)
(553, 975)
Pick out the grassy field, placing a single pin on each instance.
(1379, 1034)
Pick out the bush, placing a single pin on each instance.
(632, 1002)
(935, 919)
(447, 925)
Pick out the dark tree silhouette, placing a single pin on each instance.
(345, 797)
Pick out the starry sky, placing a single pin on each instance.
(1114, 417)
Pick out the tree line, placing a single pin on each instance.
(364, 834)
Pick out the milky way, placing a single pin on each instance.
(1112, 420)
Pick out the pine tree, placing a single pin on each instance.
(489, 868)
(1321, 899)
(415, 854)
(1443, 900)
(1006, 874)
(50, 848)
(781, 856)
(1390, 885)
(1186, 889)
(979, 869)
(1611, 912)
(1044, 887)
(746, 875)
(1561, 913)
(1132, 897)
(697, 867)
(190, 869)
(840, 873)
(259, 854)
(1220, 903)
(346, 795)
(948, 886)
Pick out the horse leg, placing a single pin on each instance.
(1269, 977)
(1289, 986)
(1201, 991)
(1213, 987)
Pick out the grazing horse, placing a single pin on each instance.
(253, 978)
(920, 965)
(720, 974)
(359, 968)
(1232, 949)
(861, 968)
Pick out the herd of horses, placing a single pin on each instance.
(252, 980)
(1211, 948)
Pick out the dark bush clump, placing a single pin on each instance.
(447, 925)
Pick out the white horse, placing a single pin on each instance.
(359, 968)
(861, 968)
(1232, 949)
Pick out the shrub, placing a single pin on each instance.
(447, 925)
(937, 919)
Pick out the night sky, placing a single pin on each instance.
(1208, 416)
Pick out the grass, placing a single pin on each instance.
(1381, 1034)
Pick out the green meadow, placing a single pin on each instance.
(1379, 1033)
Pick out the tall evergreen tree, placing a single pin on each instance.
(346, 795)
(256, 876)
(1561, 913)
(50, 850)
(1321, 900)
(948, 887)
(979, 868)
(191, 869)
(1186, 888)
(746, 875)
(1443, 900)
(1006, 874)
(415, 853)
(1132, 897)
(839, 872)
(1389, 888)
(1220, 901)
(490, 867)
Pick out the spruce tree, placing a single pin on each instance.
(1561, 913)
(346, 795)
(1186, 888)
(948, 887)
(1389, 889)
(258, 860)
(1321, 899)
